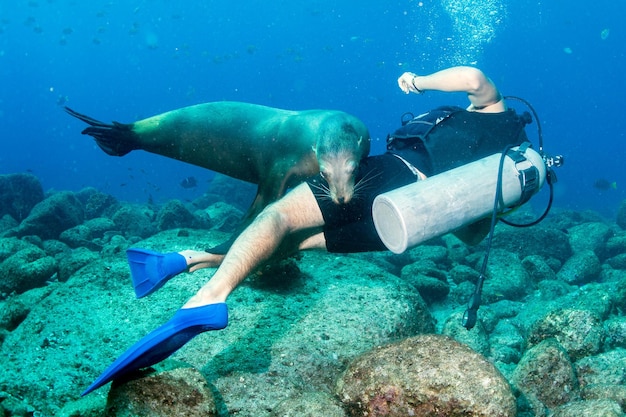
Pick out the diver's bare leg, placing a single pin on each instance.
(297, 210)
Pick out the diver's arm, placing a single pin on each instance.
(481, 91)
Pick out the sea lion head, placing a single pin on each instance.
(339, 152)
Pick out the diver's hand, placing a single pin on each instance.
(406, 82)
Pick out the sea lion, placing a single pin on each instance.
(273, 148)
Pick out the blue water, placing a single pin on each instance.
(126, 60)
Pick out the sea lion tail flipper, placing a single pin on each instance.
(266, 193)
(116, 139)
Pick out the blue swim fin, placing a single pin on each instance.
(165, 340)
(151, 270)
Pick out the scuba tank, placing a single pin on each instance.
(443, 203)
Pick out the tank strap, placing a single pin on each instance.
(419, 174)
(528, 173)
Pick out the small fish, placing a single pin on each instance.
(62, 100)
(189, 182)
(602, 184)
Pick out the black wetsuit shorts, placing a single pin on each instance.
(350, 227)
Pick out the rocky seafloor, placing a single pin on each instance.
(372, 334)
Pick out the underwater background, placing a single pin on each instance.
(129, 60)
(551, 339)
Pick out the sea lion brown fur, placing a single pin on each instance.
(273, 148)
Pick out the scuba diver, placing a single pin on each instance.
(307, 217)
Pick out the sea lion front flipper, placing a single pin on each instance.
(116, 139)
(270, 190)
(253, 211)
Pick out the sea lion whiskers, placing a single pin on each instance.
(324, 191)
(362, 184)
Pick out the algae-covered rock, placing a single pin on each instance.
(613, 392)
(589, 236)
(15, 309)
(135, 221)
(19, 193)
(476, 338)
(616, 245)
(85, 234)
(545, 377)
(10, 245)
(615, 329)
(434, 253)
(462, 273)
(310, 404)
(52, 216)
(604, 368)
(27, 268)
(96, 203)
(580, 332)
(581, 268)
(179, 392)
(285, 336)
(7, 223)
(589, 408)
(620, 293)
(537, 240)
(224, 217)
(74, 260)
(506, 277)
(506, 343)
(175, 215)
(429, 281)
(538, 269)
(618, 261)
(427, 375)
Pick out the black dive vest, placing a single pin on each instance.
(448, 137)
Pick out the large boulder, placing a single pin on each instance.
(96, 203)
(174, 215)
(583, 267)
(532, 241)
(595, 408)
(26, 266)
(19, 193)
(49, 218)
(545, 377)
(87, 233)
(179, 392)
(429, 281)
(507, 277)
(580, 332)
(589, 236)
(427, 375)
(605, 368)
(135, 221)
